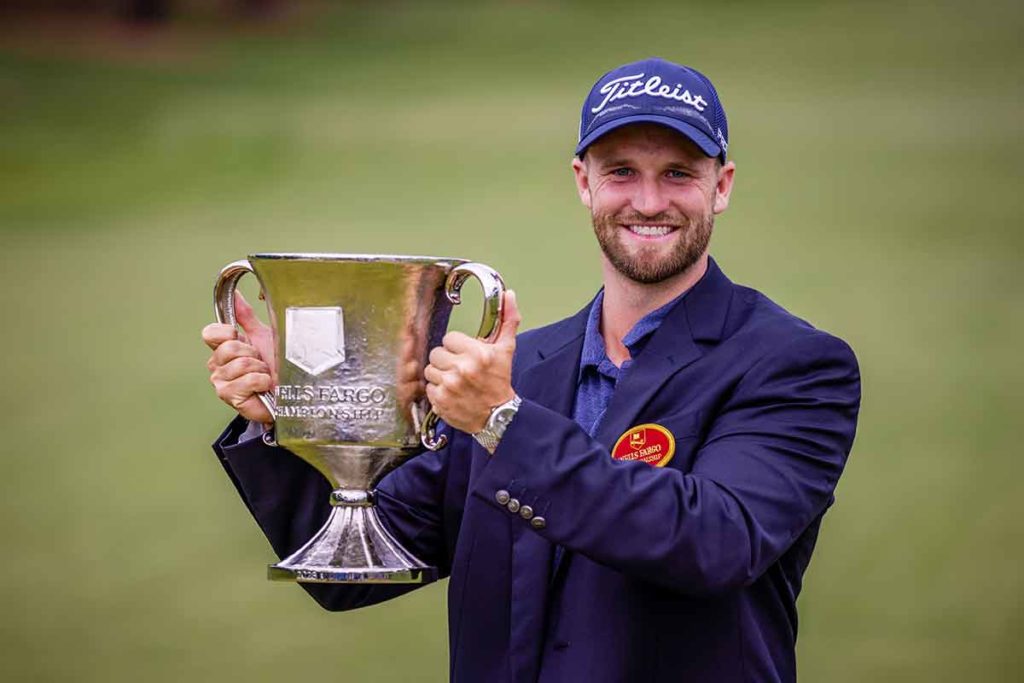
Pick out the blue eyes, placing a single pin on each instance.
(627, 172)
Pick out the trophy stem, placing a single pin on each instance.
(352, 547)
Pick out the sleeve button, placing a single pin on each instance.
(513, 505)
(502, 497)
(538, 522)
(526, 512)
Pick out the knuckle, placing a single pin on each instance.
(229, 348)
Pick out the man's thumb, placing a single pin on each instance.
(510, 320)
(245, 315)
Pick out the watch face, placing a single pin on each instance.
(502, 416)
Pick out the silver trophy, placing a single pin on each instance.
(352, 334)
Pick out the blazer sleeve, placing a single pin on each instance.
(767, 468)
(289, 500)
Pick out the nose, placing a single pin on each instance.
(649, 199)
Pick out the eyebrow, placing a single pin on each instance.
(615, 163)
(623, 161)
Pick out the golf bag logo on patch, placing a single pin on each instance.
(649, 443)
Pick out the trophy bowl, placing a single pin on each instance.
(352, 334)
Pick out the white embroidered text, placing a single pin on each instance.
(634, 86)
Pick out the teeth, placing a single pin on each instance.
(650, 230)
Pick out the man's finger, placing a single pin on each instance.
(216, 334)
(510, 319)
(237, 392)
(442, 359)
(239, 367)
(246, 316)
(458, 342)
(230, 350)
(432, 374)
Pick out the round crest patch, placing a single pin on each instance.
(649, 443)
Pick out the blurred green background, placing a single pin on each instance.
(877, 195)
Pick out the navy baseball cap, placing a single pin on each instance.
(656, 91)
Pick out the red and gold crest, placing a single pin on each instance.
(649, 443)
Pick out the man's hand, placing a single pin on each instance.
(467, 377)
(242, 366)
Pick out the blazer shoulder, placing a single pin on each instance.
(771, 330)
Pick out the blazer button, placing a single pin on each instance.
(502, 497)
(526, 512)
(538, 522)
(513, 505)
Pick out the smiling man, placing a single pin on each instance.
(630, 494)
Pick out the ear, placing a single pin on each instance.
(723, 188)
(579, 169)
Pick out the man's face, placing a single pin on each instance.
(652, 195)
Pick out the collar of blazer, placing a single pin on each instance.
(699, 318)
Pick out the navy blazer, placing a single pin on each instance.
(689, 572)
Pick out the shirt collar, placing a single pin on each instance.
(593, 343)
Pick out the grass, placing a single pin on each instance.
(876, 196)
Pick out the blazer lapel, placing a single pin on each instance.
(551, 380)
(699, 317)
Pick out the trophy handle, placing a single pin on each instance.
(490, 327)
(224, 308)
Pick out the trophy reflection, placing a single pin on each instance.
(351, 336)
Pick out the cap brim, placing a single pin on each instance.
(699, 137)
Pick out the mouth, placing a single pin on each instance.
(651, 232)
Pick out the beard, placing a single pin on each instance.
(646, 265)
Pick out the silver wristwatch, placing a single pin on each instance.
(497, 423)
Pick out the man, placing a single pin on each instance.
(647, 503)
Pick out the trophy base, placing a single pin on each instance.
(352, 547)
(276, 572)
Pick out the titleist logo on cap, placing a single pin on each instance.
(635, 86)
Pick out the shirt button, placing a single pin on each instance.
(502, 497)
(526, 512)
(538, 522)
(513, 505)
